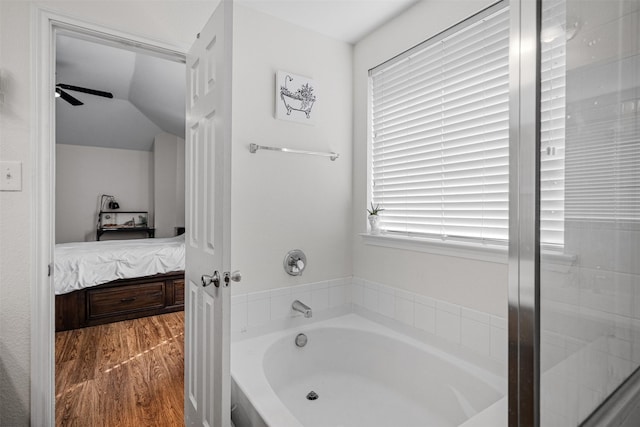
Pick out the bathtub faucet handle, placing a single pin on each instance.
(295, 262)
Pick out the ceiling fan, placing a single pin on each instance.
(75, 101)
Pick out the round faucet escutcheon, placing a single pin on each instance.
(295, 262)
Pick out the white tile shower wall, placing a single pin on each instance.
(448, 321)
(425, 314)
(339, 292)
(590, 320)
(259, 309)
(479, 332)
(475, 331)
(482, 333)
(239, 312)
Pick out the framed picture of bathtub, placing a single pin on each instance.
(296, 97)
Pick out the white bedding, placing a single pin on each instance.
(85, 264)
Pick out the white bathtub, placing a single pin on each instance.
(365, 375)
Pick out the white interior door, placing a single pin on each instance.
(208, 157)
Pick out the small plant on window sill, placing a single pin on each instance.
(374, 219)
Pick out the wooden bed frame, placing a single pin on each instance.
(120, 300)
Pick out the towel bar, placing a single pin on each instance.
(255, 147)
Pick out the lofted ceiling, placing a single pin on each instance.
(148, 96)
(149, 91)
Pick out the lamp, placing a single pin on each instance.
(104, 201)
(109, 201)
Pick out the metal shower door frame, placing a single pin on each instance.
(524, 214)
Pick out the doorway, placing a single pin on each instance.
(50, 25)
(119, 153)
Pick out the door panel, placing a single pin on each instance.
(209, 364)
(193, 195)
(191, 331)
(210, 180)
(207, 380)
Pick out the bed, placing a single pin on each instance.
(113, 280)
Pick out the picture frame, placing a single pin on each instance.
(295, 98)
(124, 220)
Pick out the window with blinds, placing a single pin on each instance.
(553, 42)
(439, 149)
(440, 133)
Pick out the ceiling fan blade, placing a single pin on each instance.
(70, 99)
(86, 90)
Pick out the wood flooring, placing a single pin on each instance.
(122, 374)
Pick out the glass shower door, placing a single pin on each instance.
(589, 205)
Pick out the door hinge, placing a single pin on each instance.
(49, 270)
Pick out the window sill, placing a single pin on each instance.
(489, 253)
(551, 260)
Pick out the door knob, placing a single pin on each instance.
(207, 280)
(236, 276)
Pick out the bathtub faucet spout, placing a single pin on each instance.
(302, 308)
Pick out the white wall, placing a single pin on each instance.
(285, 201)
(174, 21)
(83, 174)
(15, 212)
(475, 284)
(168, 172)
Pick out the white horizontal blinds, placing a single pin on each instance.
(603, 143)
(440, 134)
(552, 121)
(603, 159)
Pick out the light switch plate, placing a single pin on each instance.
(10, 176)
